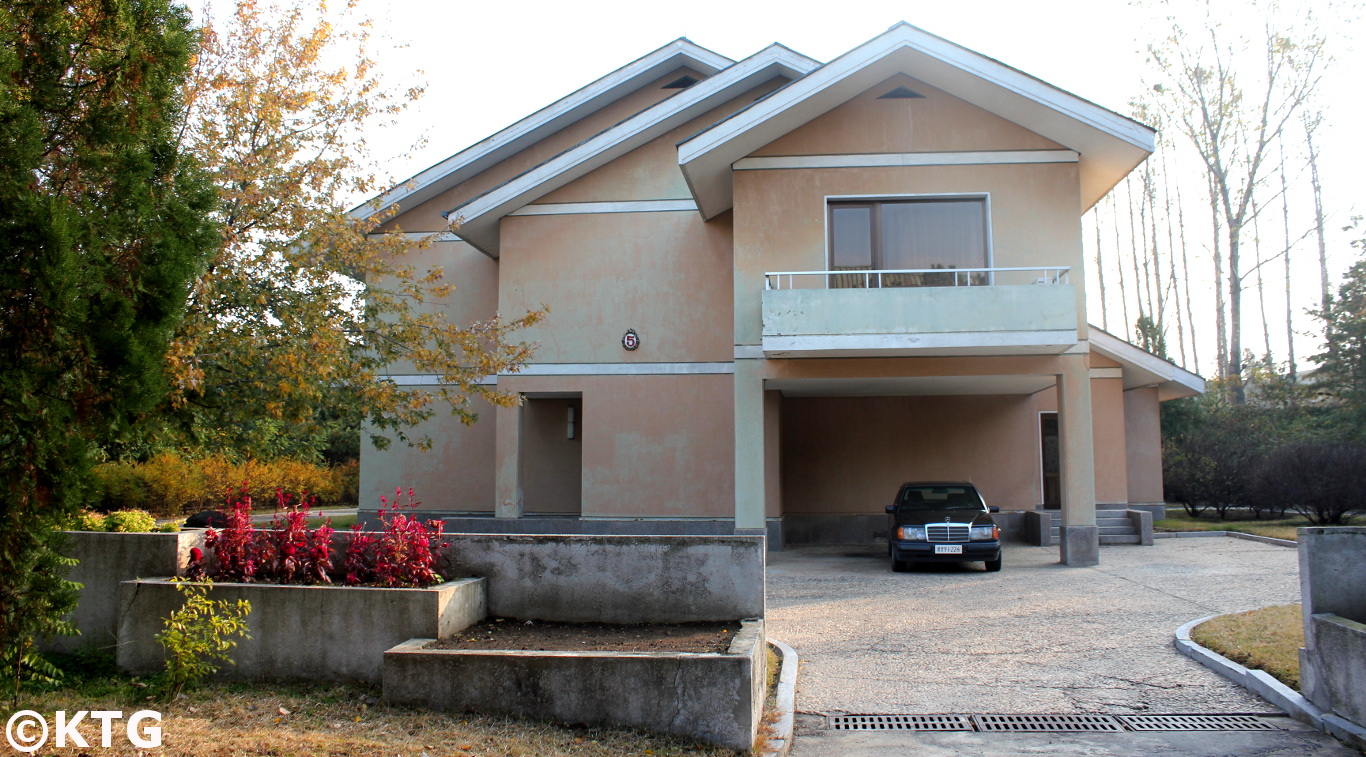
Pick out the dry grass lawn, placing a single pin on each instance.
(1268, 639)
(227, 720)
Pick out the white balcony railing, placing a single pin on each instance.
(925, 277)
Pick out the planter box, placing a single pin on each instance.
(616, 579)
(336, 633)
(108, 559)
(717, 698)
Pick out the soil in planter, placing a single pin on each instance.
(539, 636)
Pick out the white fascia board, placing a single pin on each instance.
(478, 218)
(877, 160)
(1142, 368)
(616, 206)
(1110, 144)
(827, 345)
(550, 119)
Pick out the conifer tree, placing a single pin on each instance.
(103, 225)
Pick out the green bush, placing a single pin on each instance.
(170, 485)
(88, 521)
(130, 521)
(199, 636)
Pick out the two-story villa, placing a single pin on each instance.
(777, 290)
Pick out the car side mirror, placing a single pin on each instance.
(891, 509)
(993, 509)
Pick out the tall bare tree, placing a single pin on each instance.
(1234, 95)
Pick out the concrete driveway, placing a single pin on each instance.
(1035, 638)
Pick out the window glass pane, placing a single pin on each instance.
(851, 240)
(934, 234)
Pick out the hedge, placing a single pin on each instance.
(169, 485)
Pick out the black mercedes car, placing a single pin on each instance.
(942, 522)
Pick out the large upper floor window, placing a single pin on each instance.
(920, 234)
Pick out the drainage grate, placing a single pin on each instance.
(900, 723)
(1197, 723)
(1047, 723)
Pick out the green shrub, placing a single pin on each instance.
(169, 485)
(130, 521)
(87, 521)
(199, 636)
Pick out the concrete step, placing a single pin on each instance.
(1120, 539)
(1110, 520)
(1125, 530)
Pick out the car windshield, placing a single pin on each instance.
(939, 498)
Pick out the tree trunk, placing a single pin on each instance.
(1100, 274)
(1289, 310)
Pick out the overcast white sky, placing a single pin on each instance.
(489, 64)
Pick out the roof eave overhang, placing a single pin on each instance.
(478, 220)
(544, 122)
(1109, 144)
(1142, 368)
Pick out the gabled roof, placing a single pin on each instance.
(1143, 368)
(478, 218)
(1109, 144)
(550, 119)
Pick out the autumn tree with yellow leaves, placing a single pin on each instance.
(290, 331)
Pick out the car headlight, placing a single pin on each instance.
(985, 533)
(911, 533)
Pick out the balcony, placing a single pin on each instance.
(968, 311)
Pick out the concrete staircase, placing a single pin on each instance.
(1115, 525)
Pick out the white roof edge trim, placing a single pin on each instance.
(907, 36)
(1124, 352)
(773, 56)
(679, 48)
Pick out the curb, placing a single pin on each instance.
(1288, 700)
(1230, 534)
(785, 701)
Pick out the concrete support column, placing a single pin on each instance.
(749, 446)
(1080, 537)
(507, 486)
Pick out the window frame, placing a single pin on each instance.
(875, 231)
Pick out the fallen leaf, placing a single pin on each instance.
(283, 711)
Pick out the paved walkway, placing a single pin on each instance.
(1035, 638)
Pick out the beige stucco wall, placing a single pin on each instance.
(1144, 434)
(936, 123)
(848, 455)
(456, 474)
(666, 275)
(1108, 439)
(427, 216)
(652, 446)
(474, 296)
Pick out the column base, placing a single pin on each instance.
(1080, 545)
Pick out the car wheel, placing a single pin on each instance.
(993, 565)
(898, 566)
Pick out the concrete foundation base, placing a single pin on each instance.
(717, 698)
(1080, 546)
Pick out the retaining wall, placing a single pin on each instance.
(711, 697)
(336, 633)
(1333, 593)
(108, 559)
(616, 579)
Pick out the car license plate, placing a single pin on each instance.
(948, 549)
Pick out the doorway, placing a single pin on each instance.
(552, 455)
(1050, 460)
